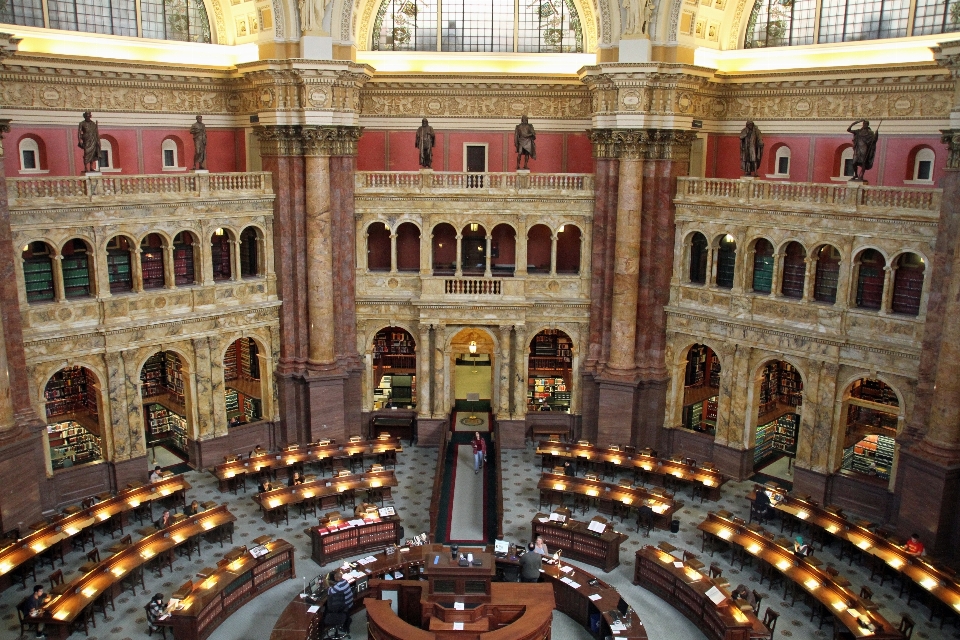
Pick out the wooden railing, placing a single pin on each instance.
(449, 180)
(847, 197)
(137, 187)
(436, 496)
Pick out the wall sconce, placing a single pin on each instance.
(474, 226)
(560, 230)
(728, 238)
(26, 247)
(473, 347)
(218, 232)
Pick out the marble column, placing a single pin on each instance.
(366, 397)
(201, 389)
(319, 257)
(553, 253)
(886, 299)
(136, 269)
(169, 277)
(393, 253)
(59, 293)
(218, 386)
(845, 281)
(626, 276)
(458, 268)
(439, 370)
(133, 421)
(809, 277)
(424, 381)
(117, 397)
(521, 255)
(234, 259)
(777, 275)
(486, 269)
(504, 373)
(426, 252)
(520, 361)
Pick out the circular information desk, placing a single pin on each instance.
(524, 610)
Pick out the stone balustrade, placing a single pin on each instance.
(449, 181)
(847, 197)
(136, 188)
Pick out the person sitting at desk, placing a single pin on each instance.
(257, 451)
(568, 469)
(264, 486)
(530, 564)
(800, 549)
(154, 612)
(541, 547)
(761, 504)
(192, 509)
(165, 520)
(914, 547)
(339, 600)
(236, 421)
(296, 479)
(156, 475)
(742, 592)
(32, 607)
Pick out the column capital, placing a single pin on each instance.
(642, 144)
(4, 130)
(951, 138)
(279, 140)
(330, 141)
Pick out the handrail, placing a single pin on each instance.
(438, 483)
(485, 180)
(498, 474)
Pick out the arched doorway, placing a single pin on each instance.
(779, 394)
(164, 407)
(243, 389)
(394, 369)
(550, 371)
(871, 417)
(472, 352)
(74, 429)
(701, 389)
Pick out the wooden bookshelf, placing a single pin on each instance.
(576, 542)
(373, 536)
(38, 278)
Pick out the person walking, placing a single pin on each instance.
(479, 451)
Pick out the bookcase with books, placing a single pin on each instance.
(394, 348)
(183, 267)
(577, 542)
(162, 389)
(873, 455)
(780, 388)
(165, 426)
(220, 255)
(69, 391)
(118, 270)
(72, 444)
(38, 273)
(75, 266)
(151, 267)
(331, 543)
(552, 393)
(550, 364)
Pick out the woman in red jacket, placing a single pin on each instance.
(479, 451)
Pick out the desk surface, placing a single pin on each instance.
(650, 464)
(815, 581)
(632, 496)
(85, 589)
(324, 487)
(308, 453)
(39, 541)
(920, 570)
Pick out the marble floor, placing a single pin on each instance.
(412, 499)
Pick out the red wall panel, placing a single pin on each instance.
(579, 153)
(54, 143)
(371, 151)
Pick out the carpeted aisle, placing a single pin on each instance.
(467, 510)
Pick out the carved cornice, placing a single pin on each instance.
(951, 138)
(8, 45)
(642, 144)
(297, 140)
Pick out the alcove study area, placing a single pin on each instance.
(164, 404)
(394, 369)
(549, 372)
(872, 415)
(73, 424)
(701, 387)
(241, 375)
(778, 419)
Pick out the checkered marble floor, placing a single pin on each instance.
(415, 471)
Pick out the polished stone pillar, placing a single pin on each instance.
(439, 370)
(424, 381)
(520, 362)
(503, 373)
(319, 257)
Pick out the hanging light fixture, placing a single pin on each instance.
(474, 226)
(473, 347)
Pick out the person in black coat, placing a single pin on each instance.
(530, 564)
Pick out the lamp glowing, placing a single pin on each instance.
(473, 347)
(725, 534)
(783, 565)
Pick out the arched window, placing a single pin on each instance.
(106, 155)
(872, 416)
(781, 162)
(726, 261)
(794, 270)
(30, 157)
(568, 249)
(846, 163)
(38, 272)
(408, 247)
(394, 369)
(908, 284)
(923, 164)
(778, 23)
(478, 25)
(243, 391)
(473, 249)
(151, 261)
(220, 255)
(503, 250)
(538, 249)
(249, 253)
(184, 266)
(828, 274)
(77, 269)
(779, 393)
(73, 418)
(184, 20)
(550, 368)
(698, 258)
(165, 407)
(118, 264)
(701, 389)
(444, 248)
(171, 154)
(378, 247)
(763, 266)
(870, 279)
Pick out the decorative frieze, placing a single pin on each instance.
(642, 144)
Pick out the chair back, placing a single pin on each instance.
(866, 593)
(906, 626)
(770, 619)
(93, 555)
(56, 578)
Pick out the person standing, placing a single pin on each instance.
(751, 149)
(479, 451)
(199, 133)
(426, 139)
(88, 139)
(524, 140)
(864, 148)
(530, 565)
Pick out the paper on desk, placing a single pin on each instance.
(716, 595)
(595, 597)
(617, 625)
(313, 609)
(458, 606)
(678, 565)
(357, 523)
(544, 519)
(566, 569)
(458, 626)
(599, 527)
(575, 585)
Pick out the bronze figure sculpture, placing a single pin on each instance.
(751, 149)
(864, 148)
(524, 139)
(199, 133)
(88, 139)
(426, 138)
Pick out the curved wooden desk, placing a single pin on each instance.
(578, 543)
(663, 507)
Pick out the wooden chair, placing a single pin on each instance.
(88, 502)
(84, 618)
(86, 536)
(28, 568)
(356, 462)
(906, 626)
(55, 578)
(374, 495)
(388, 458)
(114, 524)
(163, 559)
(121, 544)
(102, 601)
(715, 571)
(866, 593)
(277, 514)
(191, 543)
(759, 598)
(309, 505)
(143, 511)
(26, 622)
(348, 498)
(644, 520)
(130, 580)
(93, 559)
(770, 620)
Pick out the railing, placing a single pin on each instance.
(844, 197)
(436, 496)
(485, 287)
(498, 477)
(447, 180)
(87, 188)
